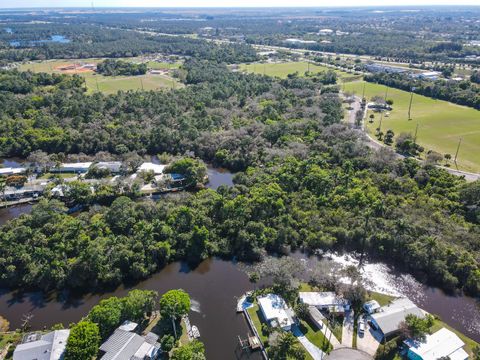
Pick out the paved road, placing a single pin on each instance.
(347, 331)
(375, 144)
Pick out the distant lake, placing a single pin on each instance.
(53, 39)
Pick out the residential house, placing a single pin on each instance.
(276, 311)
(444, 344)
(80, 167)
(326, 300)
(125, 344)
(388, 318)
(50, 346)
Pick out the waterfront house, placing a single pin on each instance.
(12, 171)
(441, 345)
(389, 318)
(326, 300)
(80, 167)
(113, 166)
(276, 311)
(125, 344)
(50, 346)
(148, 166)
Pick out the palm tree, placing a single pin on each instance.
(286, 347)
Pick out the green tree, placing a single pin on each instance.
(194, 350)
(108, 314)
(83, 342)
(194, 170)
(286, 347)
(138, 303)
(173, 305)
(416, 328)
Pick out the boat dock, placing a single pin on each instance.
(192, 330)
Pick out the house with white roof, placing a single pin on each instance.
(276, 311)
(12, 171)
(148, 166)
(389, 318)
(113, 166)
(80, 167)
(326, 300)
(50, 346)
(125, 344)
(440, 345)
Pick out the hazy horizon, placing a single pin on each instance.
(26, 4)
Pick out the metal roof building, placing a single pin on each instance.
(50, 346)
(124, 344)
(388, 318)
(442, 344)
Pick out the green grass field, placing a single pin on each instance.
(281, 70)
(440, 124)
(110, 84)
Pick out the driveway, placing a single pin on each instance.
(347, 331)
(369, 341)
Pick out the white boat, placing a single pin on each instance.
(195, 332)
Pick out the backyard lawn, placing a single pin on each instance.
(440, 124)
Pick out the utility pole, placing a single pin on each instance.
(141, 82)
(363, 92)
(415, 137)
(410, 105)
(458, 148)
(96, 80)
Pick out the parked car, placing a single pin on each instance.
(361, 326)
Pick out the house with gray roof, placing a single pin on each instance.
(125, 344)
(50, 346)
(388, 318)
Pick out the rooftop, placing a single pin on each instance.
(50, 346)
(443, 343)
(327, 298)
(124, 344)
(275, 308)
(389, 318)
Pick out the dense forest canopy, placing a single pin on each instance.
(305, 180)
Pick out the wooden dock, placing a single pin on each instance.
(257, 343)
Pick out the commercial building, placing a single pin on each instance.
(276, 311)
(50, 346)
(441, 345)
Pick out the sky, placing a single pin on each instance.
(225, 3)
